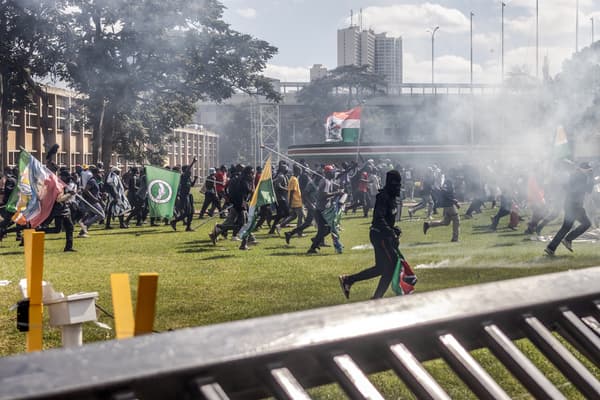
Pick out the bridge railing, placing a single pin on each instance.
(284, 355)
(410, 88)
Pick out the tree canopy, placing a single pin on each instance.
(340, 89)
(142, 65)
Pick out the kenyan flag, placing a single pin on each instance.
(561, 148)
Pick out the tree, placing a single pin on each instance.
(576, 91)
(143, 64)
(28, 50)
(342, 88)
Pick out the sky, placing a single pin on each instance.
(305, 32)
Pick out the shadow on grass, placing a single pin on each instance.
(11, 253)
(219, 257)
(420, 244)
(198, 249)
(512, 234)
(126, 232)
(503, 245)
(195, 242)
(301, 253)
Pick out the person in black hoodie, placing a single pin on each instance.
(447, 200)
(580, 183)
(384, 236)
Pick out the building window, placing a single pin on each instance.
(14, 118)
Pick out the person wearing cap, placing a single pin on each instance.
(385, 238)
(581, 182)
(210, 194)
(86, 174)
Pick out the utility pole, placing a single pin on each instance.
(592, 19)
(433, 53)
(576, 26)
(472, 14)
(537, 39)
(502, 41)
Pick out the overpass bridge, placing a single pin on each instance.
(409, 114)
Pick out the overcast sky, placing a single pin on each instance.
(304, 31)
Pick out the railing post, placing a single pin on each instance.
(34, 268)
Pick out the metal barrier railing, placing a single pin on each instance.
(284, 355)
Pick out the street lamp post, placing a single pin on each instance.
(433, 53)
(576, 26)
(472, 14)
(592, 19)
(502, 41)
(537, 39)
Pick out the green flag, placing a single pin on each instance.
(162, 187)
(24, 158)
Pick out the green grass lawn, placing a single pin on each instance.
(202, 284)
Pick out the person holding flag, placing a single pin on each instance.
(161, 188)
(385, 238)
(263, 195)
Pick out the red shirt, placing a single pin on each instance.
(221, 178)
(363, 183)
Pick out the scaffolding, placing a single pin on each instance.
(265, 130)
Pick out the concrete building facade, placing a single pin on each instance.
(348, 46)
(388, 58)
(317, 71)
(382, 54)
(67, 127)
(367, 49)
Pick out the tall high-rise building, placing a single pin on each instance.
(382, 54)
(367, 49)
(317, 71)
(348, 46)
(388, 58)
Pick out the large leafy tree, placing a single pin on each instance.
(576, 91)
(28, 50)
(143, 64)
(341, 88)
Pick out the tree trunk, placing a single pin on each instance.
(4, 120)
(98, 130)
(107, 137)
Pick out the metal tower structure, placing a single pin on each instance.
(265, 129)
(269, 129)
(255, 133)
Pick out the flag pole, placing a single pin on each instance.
(211, 218)
(287, 158)
(91, 207)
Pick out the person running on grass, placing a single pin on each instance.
(384, 236)
(447, 200)
(581, 183)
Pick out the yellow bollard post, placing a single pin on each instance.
(34, 268)
(122, 307)
(146, 303)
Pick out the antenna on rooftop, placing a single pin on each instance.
(360, 20)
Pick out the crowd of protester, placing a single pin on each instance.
(318, 194)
